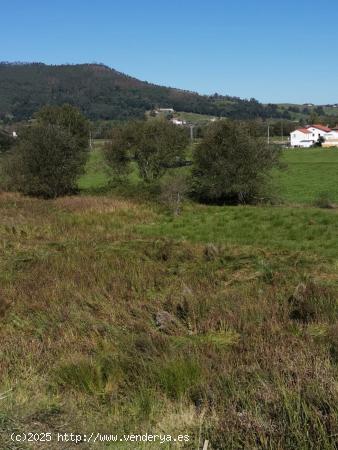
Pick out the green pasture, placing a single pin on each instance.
(306, 174)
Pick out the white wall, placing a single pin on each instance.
(316, 134)
(299, 139)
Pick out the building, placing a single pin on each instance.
(164, 111)
(331, 140)
(301, 137)
(176, 121)
(307, 136)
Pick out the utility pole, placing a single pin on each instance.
(268, 133)
(282, 131)
(191, 133)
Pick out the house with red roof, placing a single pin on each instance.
(302, 137)
(307, 136)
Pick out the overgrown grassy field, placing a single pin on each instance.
(220, 324)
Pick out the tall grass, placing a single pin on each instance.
(221, 324)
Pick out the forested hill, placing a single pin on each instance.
(103, 93)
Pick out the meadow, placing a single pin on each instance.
(220, 324)
(305, 175)
(308, 173)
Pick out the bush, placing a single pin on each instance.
(155, 145)
(231, 165)
(118, 152)
(174, 189)
(50, 155)
(6, 141)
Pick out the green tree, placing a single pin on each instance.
(68, 118)
(49, 155)
(155, 145)
(230, 165)
(119, 151)
(6, 141)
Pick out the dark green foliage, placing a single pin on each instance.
(50, 155)
(161, 145)
(231, 165)
(68, 118)
(6, 141)
(119, 150)
(155, 145)
(103, 93)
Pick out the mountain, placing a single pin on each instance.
(104, 93)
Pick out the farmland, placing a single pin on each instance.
(219, 324)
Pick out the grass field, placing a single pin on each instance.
(308, 174)
(220, 324)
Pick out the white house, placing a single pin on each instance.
(164, 111)
(319, 131)
(301, 137)
(331, 139)
(309, 135)
(176, 121)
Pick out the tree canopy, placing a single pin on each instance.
(155, 145)
(231, 165)
(50, 154)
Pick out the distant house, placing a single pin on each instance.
(301, 137)
(176, 121)
(307, 136)
(331, 139)
(164, 110)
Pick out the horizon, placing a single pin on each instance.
(274, 53)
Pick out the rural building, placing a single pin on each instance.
(301, 137)
(176, 121)
(307, 136)
(164, 110)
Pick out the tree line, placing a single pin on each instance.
(230, 164)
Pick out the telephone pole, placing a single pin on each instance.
(191, 133)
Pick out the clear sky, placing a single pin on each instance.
(275, 51)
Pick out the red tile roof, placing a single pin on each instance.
(304, 130)
(321, 127)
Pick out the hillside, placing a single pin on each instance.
(103, 93)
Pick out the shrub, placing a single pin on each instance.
(50, 155)
(155, 145)
(6, 141)
(231, 165)
(173, 191)
(118, 152)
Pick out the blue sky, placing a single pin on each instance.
(275, 51)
